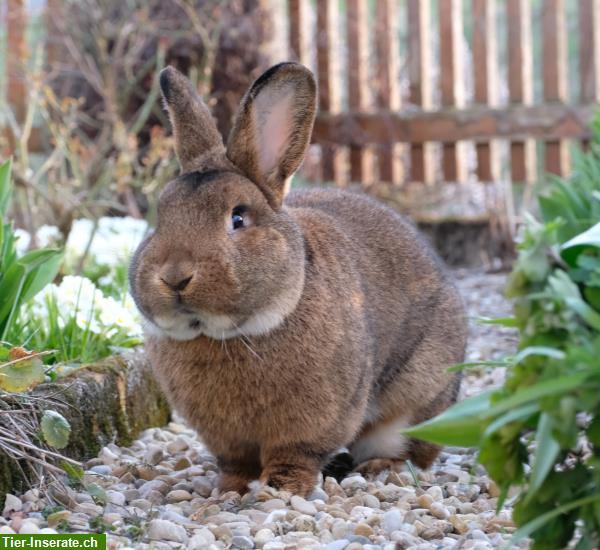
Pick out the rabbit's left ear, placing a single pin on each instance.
(273, 127)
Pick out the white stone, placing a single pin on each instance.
(107, 456)
(201, 539)
(162, 529)
(28, 528)
(116, 497)
(11, 504)
(263, 536)
(337, 545)
(392, 520)
(354, 483)
(303, 506)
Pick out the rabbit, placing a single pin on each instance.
(285, 326)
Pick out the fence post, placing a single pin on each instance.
(358, 90)
(328, 91)
(554, 51)
(451, 80)
(387, 92)
(520, 83)
(17, 55)
(419, 62)
(589, 50)
(297, 11)
(485, 74)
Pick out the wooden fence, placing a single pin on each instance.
(411, 96)
(432, 92)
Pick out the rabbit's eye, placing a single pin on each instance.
(237, 217)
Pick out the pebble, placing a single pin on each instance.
(115, 497)
(263, 536)
(107, 456)
(11, 504)
(392, 520)
(337, 544)
(101, 470)
(319, 494)
(153, 455)
(28, 528)
(303, 506)
(364, 529)
(177, 445)
(178, 496)
(439, 510)
(243, 543)
(354, 483)
(202, 486)
(162, 529)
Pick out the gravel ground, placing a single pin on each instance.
(161, 492)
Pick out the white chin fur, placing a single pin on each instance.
(222, 327)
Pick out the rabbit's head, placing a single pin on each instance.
(225, 258)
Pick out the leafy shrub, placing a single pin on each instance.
(540, 432)
(21, 277)
(88, 316)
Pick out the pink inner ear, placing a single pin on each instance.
(273, 116)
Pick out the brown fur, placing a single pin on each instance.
(370, 321)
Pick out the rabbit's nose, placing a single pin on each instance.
(175, 282)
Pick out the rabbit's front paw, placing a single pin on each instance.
(237, 472)
(295, 470)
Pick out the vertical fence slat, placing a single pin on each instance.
(420, 92)
(520, 83)
(485, 73)
(328, 93)
(589, 50)
(451, 79)
(356, 26)
(554, 60)
(17, 52)
(297, 14)
(387, 92)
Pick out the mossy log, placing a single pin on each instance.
(110, 401)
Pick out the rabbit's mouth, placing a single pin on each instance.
(185, 323)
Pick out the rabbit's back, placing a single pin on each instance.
(406, 289)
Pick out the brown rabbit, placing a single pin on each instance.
(285, 327)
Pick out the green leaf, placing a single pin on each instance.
(55, 429)
(572, 248)
(520, 413)
(42, 272)
(22, 375)
(5, 187)
(461, 425)
(97, 493)
(538, 350)
(509, 322)
(547, 449)
(74, 473)
(559, 385)
(529, 528)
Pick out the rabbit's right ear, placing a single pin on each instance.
(194, 129)
(273, 127)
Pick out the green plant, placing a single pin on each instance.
(540, 432)
(21, 278)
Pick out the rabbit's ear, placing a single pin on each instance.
(273, 126)
(194, 129)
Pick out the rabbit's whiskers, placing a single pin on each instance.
(245, 339)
